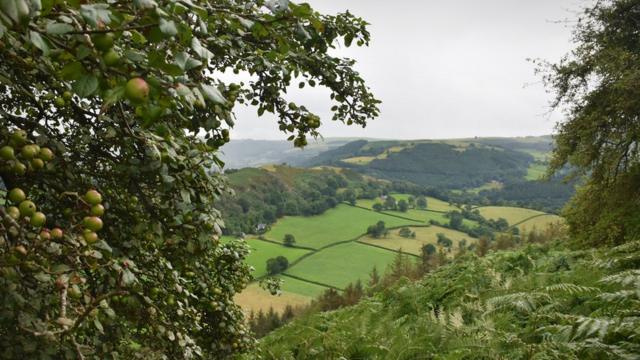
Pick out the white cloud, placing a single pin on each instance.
(446, 69)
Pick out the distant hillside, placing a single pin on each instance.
(251, 153)
(453, 164)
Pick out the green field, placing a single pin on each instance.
(345, 263)
(513, 215)
(296, 286)
(424, 235)
(342, 223)
(342, 264)
(261, 251)
(536, 171)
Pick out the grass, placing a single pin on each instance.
(254, 298)
(364, 160)
(300, 287)
(539, 222)
(424, 235)
(512, 214)
(339, 224)
(536, 171)
(492, 185)
(261, 251)
(538, 155)
(343, 264)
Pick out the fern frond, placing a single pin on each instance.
(626, 248)
(620, 296)
(588, 327)
(625, 278)
(524, 302)
(455, 319)
(571, 289)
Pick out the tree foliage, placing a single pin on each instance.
(128, 97)
(597, 85)
(277, 265)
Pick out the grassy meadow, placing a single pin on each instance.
(513, 215)
(339, 224)
(344, 254)
(539, 222)
(261, 251)
(536, 171)
(342, 264)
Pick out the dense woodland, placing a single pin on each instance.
(434, 164)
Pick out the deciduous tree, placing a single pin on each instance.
(596, 84)
(129, 99)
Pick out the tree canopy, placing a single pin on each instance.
(128, 98)
(597, 85)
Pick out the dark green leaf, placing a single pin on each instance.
(85, 85)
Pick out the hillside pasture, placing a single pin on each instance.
(513, 215)
(339, 224)
(295, 286)
(261, 251)
(536, 171)
(424, 235)
(342, 264)
(539, 222)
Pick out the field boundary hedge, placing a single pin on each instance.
(384, 248)
(311, 282)
(281, 244)
(530, 218)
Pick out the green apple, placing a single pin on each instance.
(38, 219)
(27, 208)
(137, 90)
(17, 196)
(97, 210)
(90, 236)
(7, 153)
(93, 197)
(92, 223)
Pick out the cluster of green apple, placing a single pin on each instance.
(24, 209)
(20, 156)
(92, 223)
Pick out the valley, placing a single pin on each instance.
(333, 250)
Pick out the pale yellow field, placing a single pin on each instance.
(424, 235)
(363, 160)
(269, 167)
(254, 298)
(512, 214)
(360, 160)
(540, 222)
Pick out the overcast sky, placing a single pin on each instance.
(446, 69)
